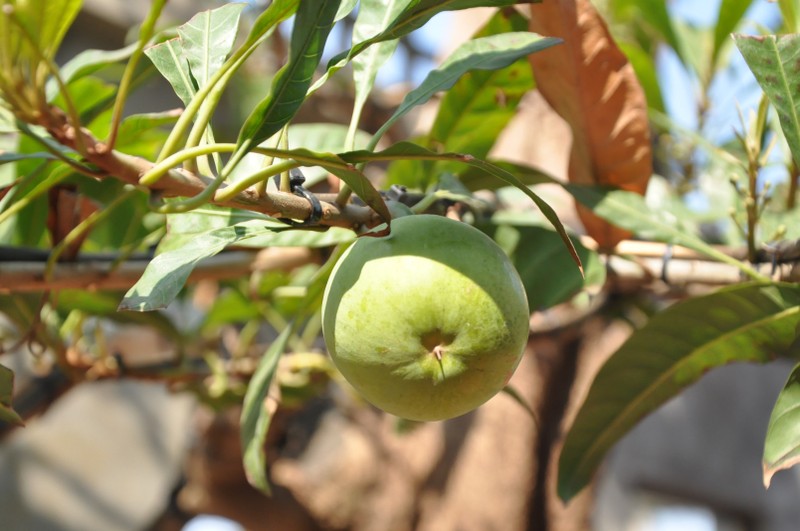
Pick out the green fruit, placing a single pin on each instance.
(427, 323)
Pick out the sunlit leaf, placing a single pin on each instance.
(167, 273)
(474, 111)
(88, 62)
(169, 60)
(311, 27)
(774, 61)
(373, 17)
(486, 53)
(407, 150)
(752, 323)
(782, 445)
(629, 211)
(207, 39)
(414, 16)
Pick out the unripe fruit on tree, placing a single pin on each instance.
(427, 323)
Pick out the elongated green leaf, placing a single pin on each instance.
(537, 252)
(729, 17)
(753, 323)
(46, 21)
(311, 27)
(256, 416)
(7, 413)
(629, 211)
(486, 53)
(373, 17)
(649, 15)
(207, 39)
(164, 277)
(481, 102)
(473, 112)
(88, 62)
(791, 15)
(414, 16)
(345, 8)
(774, 61)
(169, 60)
(782, 445)
(407, 150)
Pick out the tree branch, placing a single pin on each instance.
(181, 183)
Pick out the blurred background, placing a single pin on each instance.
(132, 454)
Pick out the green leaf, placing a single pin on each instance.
(88, 62)
(164, 277)
(324, 137)
(7, 413)
(256, 416)
(311, 27)
(414, 16)
(46, 21)
(345, 8)
(790, 12)
(652, 15)
(169, 60)
(474, 112)
(775, 61)
(629, 211)
(373, 17)
(208, 38)
(750, 322)
(729, 16)
(537, 253)
(476, 179)
(486, 53)
(407, 150)
(782, 445)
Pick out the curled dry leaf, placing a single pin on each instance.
(589, 82)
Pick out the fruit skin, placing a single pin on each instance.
(433, 286)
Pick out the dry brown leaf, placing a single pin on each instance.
(589, 82)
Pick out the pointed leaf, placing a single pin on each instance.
(207, 39)
(537, 252)
(7, 414)
(407, 150)
(782, 445)
(169, 60)
(607, 115)
(46, 21)
(480, 104)
(88, 62)
(413, 17)
(474, 112)
(311, 27)
(775, 61)
(373, 17)
(167, 273)
(629, 211)
(256, 415)
(486, 53)
(752, 322)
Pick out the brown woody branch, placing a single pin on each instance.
(182, 183)
(644, 265)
